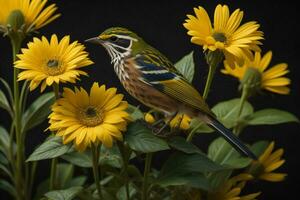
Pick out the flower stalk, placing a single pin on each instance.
(95, 152)
(146, 175)
(16, 41)
(54, 160)
(213, 59)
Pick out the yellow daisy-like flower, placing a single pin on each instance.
(271, 79)
(89, 118)
(232, 189)
(267, 163)
(149, 118)
(52, 62)
(182, 121)
(31, 14)
(234, 40)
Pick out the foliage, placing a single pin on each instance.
(184, 168)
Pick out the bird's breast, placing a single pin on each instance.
(129, 75)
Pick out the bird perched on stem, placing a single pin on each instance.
(151, 78)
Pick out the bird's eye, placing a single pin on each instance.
(113, 38)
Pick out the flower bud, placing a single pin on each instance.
(15, 20)
(149, 118)
(252, 80)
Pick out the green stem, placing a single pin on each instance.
(31, 178)
(16, 45)
(243, 99)
(209, 79)
(52, 182)
(53, 174)
(125, 166)
(213, 59)
(146, 176)
(95, 152)
(193, 132)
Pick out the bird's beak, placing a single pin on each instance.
(95, 40)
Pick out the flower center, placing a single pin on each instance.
(91, 116)
(52, 63)
(220, 37)
(54, 67)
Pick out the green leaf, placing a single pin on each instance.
(38, 111)
(140, 138)
(121, 194)
(227, 111)
(108, 156)
(111, 157)
(181, 169)
(8, 89)
(223, 153)
(77, 181)
(201, 126)
(218, 178)
(271, 116)
(5, 170)
(181, 144)
(4, 185)
(135, 112)
(195, 180)
(259, 147)
(4, 102)
(67, 194)
(51, 148)
(64, 173)
(4, 140)
(81, 159)
(186, 66)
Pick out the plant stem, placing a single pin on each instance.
(16, 45)
(192, 133)
(95, 151)
(125, 165)
(53, 174)
(146, 176)
(213, 59)
(54, 160)
(243, 99)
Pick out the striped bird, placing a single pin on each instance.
(152, 79)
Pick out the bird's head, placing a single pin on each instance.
(119, 42)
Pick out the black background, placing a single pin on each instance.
(160, 24)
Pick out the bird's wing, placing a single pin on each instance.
(169, 81)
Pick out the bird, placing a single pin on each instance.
(149, 76)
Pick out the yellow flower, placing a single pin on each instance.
(34, 14)
(235, 41)
(52, 62)
(271, 79)
(232, 189)
(267, 163)
(149, 118)
(89, 118)
(181, 120)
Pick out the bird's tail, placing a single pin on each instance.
(230, 137)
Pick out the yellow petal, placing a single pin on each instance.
(274, 166)
(273, 177)
(279, 90)
(265, 61)
(267, 152)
